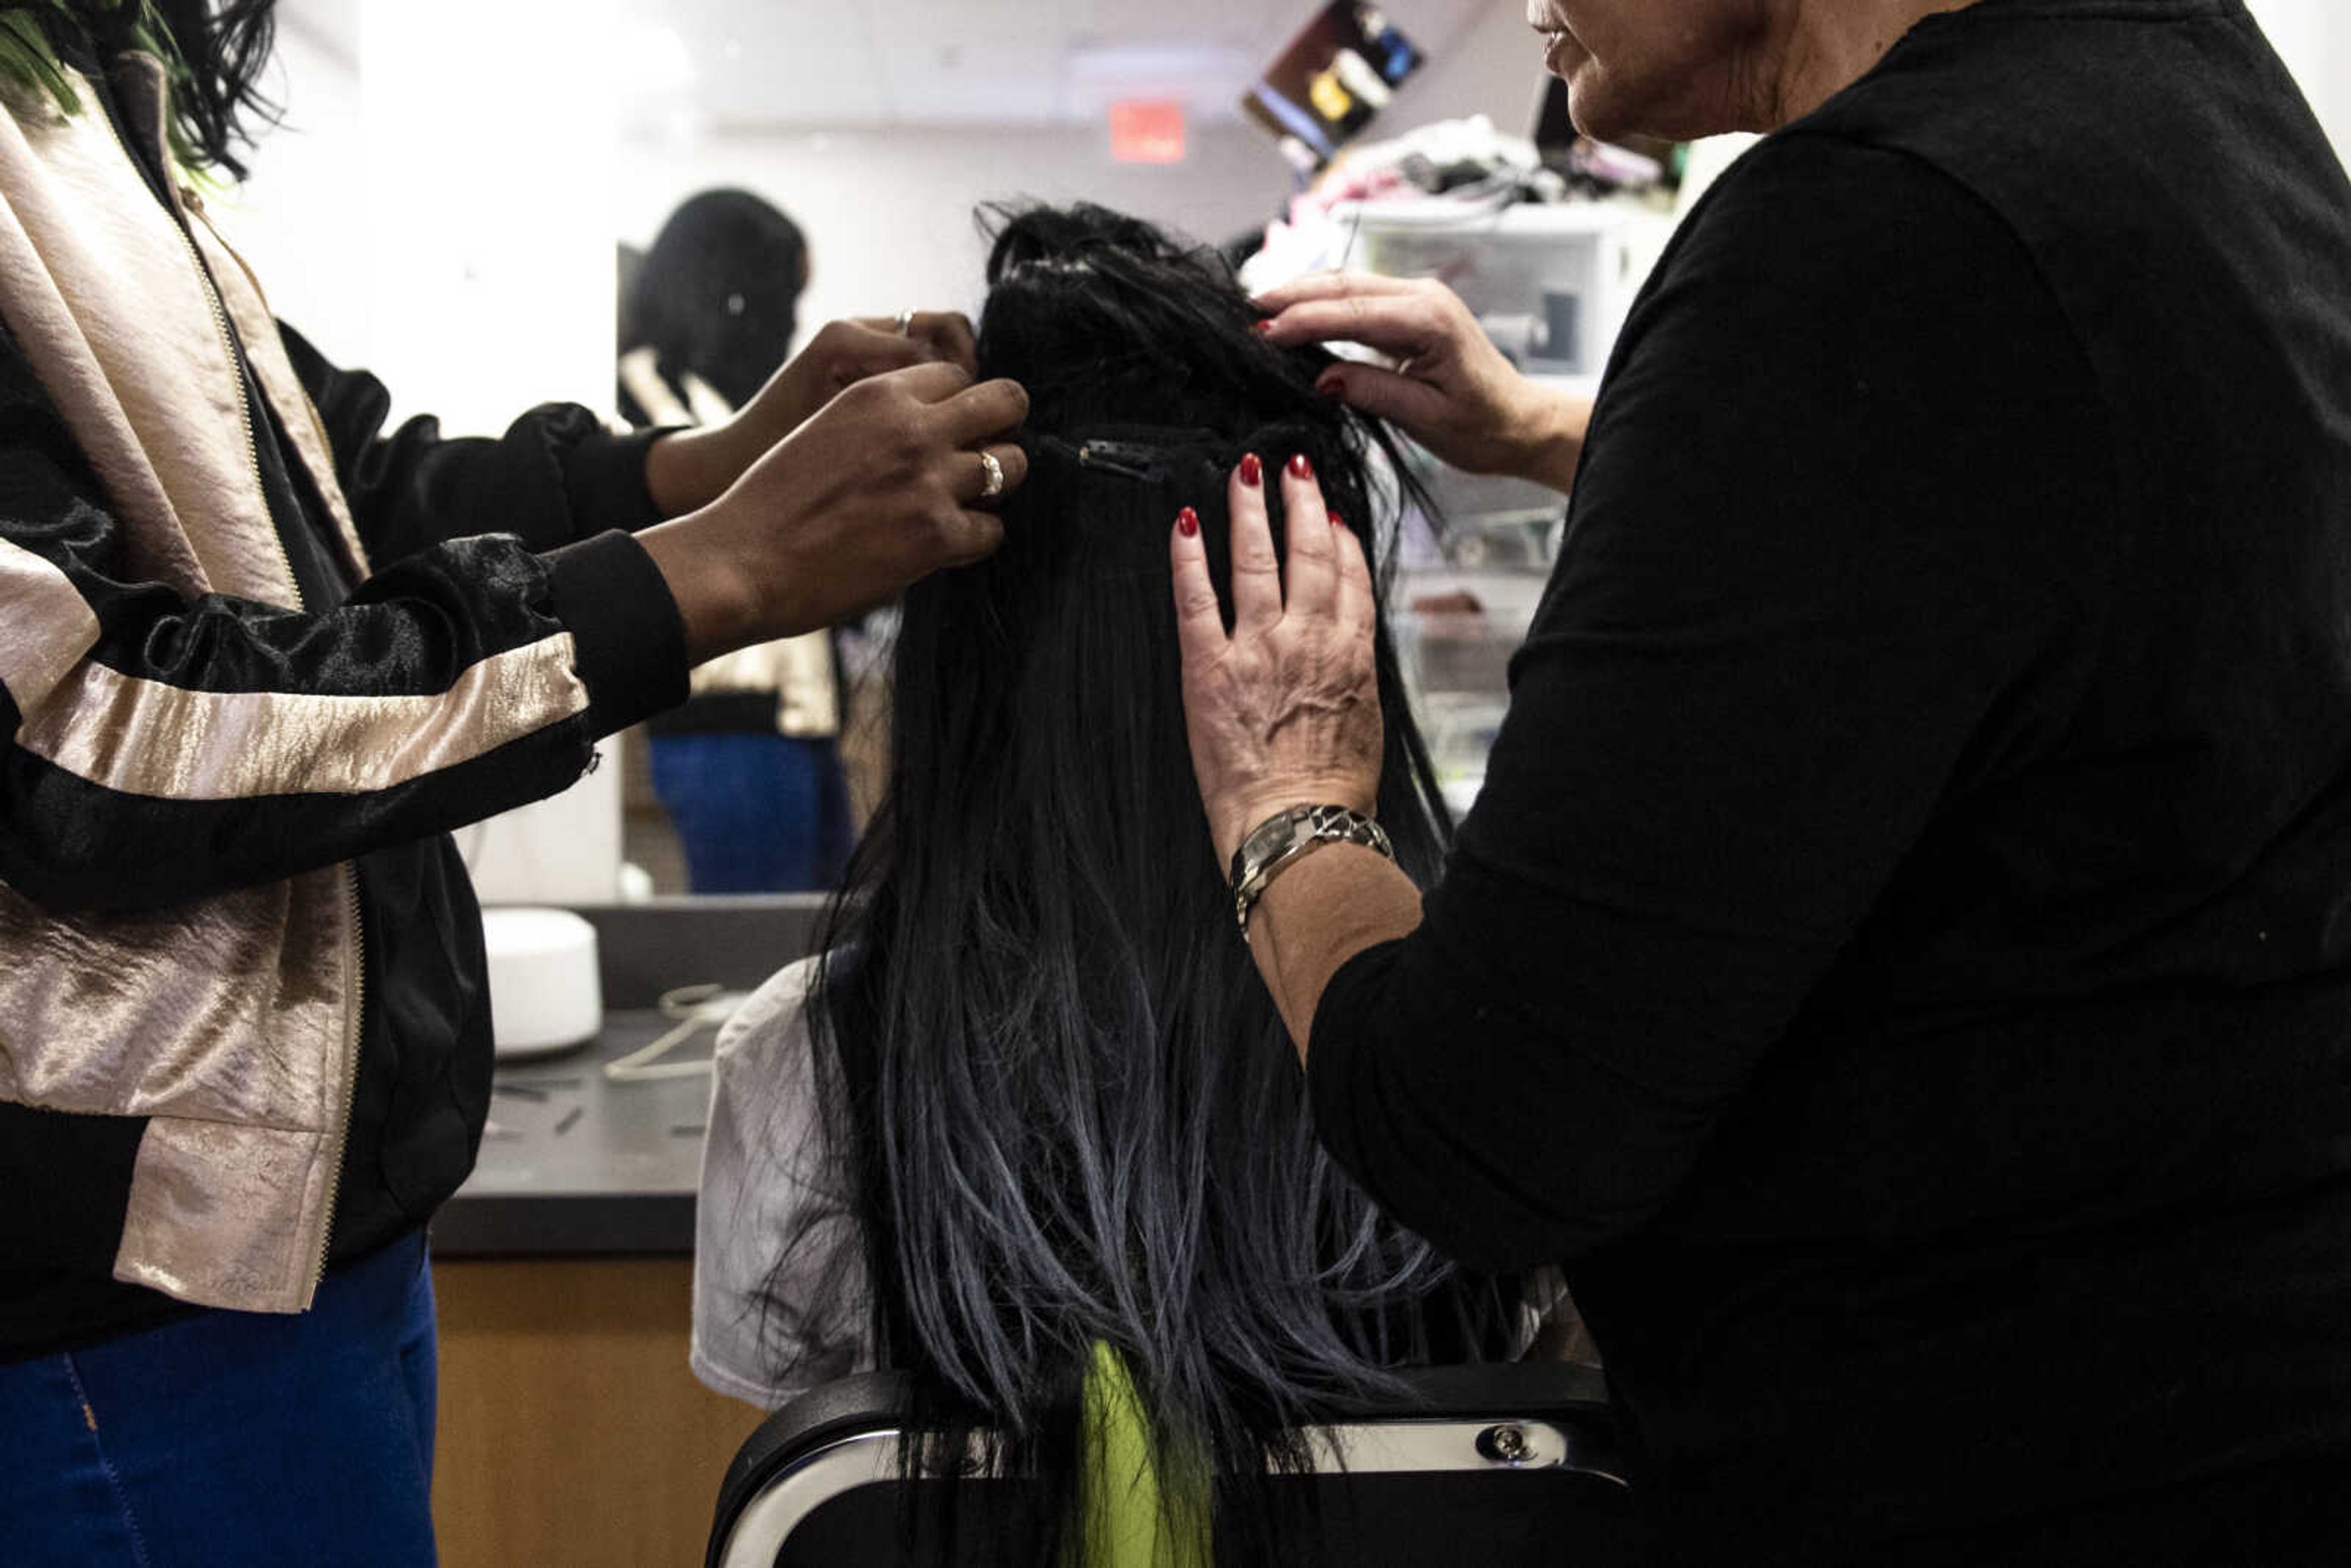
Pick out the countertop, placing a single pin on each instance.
(575, 1164)
(572, 1163)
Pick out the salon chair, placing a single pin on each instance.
(1514, 1463)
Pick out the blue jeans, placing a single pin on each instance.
(757, 813)
(232, 1439)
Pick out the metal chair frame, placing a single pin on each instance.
(1528, 1418)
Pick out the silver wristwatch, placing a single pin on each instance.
(1291, 836)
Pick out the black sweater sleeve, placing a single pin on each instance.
(157, 746)
(1844, 498)
(556, 477)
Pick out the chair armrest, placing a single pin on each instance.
(1489, 1389)
(845, 1408)
(886, 1402)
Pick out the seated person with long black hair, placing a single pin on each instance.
(1034, 1088)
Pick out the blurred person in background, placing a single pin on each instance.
(749, 767)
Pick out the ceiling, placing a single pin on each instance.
(755, 63)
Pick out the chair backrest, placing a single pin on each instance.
(1519, 1460)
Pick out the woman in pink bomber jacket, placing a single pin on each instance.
(256, 658)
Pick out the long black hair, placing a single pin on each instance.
(718, 294)
(215, 51)
(1079, 1119)
(216, 95)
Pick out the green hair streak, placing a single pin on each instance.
(30, 62)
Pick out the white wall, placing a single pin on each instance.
(2313, 37)
(443, 218)
(488, 213)
(889, 210)
(888, 213)
(409, 219)
(301, 219)
(2335, 100)
(1494, 66)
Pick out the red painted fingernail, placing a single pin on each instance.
(1331, 384)
(1252, 471)
(1188, 522)
(1337, 522)
(1300, 468)
(1264, 326)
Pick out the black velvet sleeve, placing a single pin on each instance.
(1847, 489)
(556, 477)
(157, 746)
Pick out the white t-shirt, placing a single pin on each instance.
(769, 1171)
(771, 1175)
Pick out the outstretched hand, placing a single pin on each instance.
(888, 483)
(1452, 391)
(1284, 709)
(846, 353)
(692, 468)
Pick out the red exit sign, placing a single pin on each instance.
(1147, 131)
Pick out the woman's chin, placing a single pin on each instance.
(1604, 109)
(1587, 89)
(1589, 105)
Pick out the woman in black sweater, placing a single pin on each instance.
(1902, 957)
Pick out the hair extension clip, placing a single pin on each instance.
(1123, 458)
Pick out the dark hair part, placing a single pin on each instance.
(1078, 1117)
(717, 295)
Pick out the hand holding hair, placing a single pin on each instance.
(1284, 710)
(1452, 391)
(690, 468)
(880, 489)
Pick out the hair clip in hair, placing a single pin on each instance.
(1118, 459)
(1123, 458)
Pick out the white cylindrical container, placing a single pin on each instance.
(545, 995)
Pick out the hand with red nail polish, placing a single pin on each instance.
(1450, 389)
(1284, 709)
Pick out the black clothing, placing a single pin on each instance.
(1902, 955)
(482, 545)
(636, 414)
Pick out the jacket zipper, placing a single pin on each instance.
(351, 545)
(347, 1084)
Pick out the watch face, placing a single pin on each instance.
(1270, 840)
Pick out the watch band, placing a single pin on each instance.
(1289, 836)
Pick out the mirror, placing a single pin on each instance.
(506, 189)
